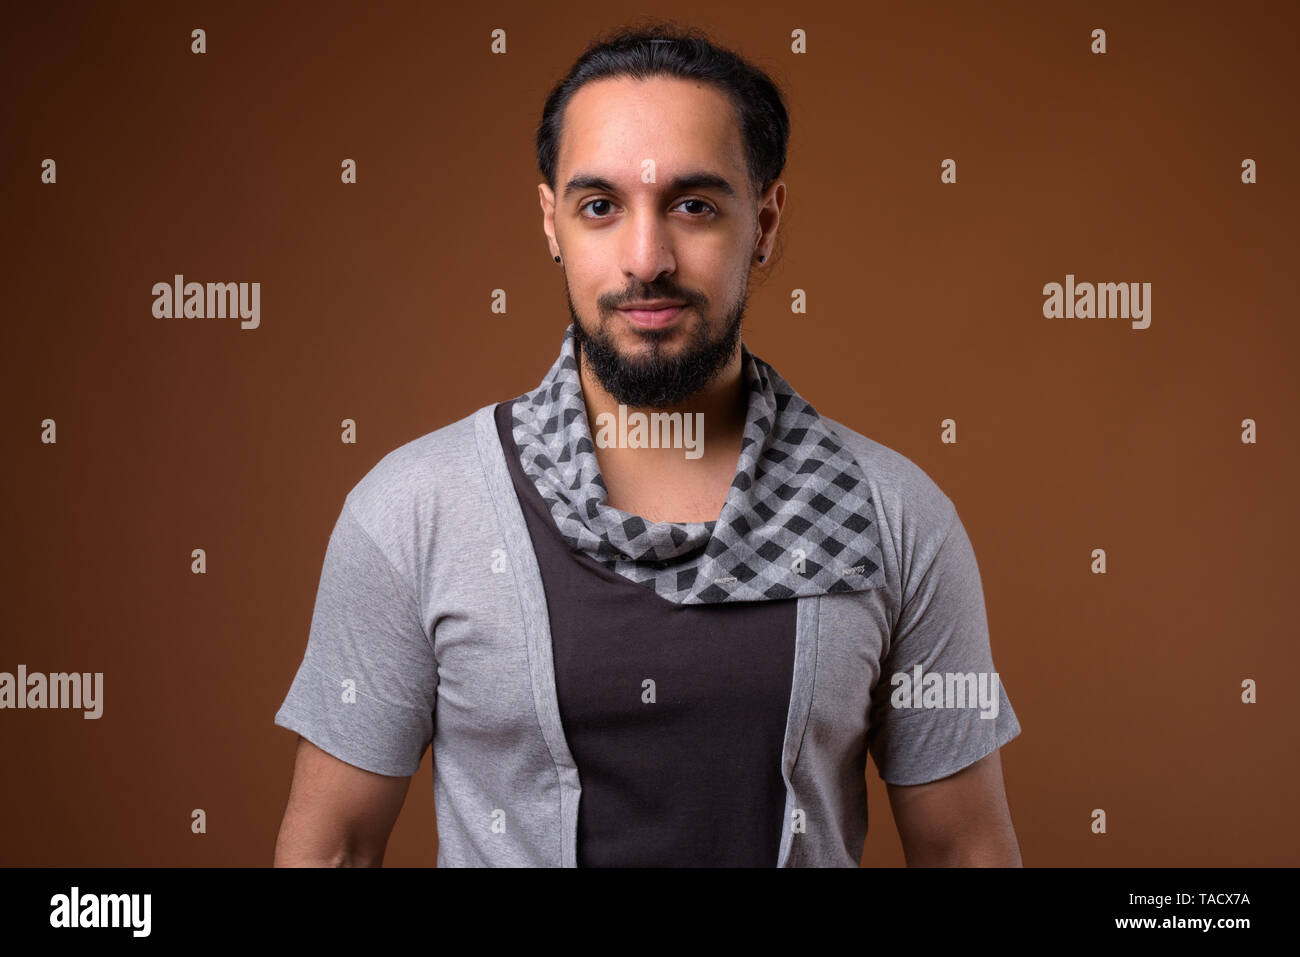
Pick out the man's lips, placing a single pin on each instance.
(653, 318)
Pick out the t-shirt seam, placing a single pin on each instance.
(411, 592)
(487, 470)
(952, 522)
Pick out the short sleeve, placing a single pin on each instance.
(367, 686)
(939, 704)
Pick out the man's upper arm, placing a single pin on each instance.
(338, 814)
(939, 710)
(958, 821)
(363, 698)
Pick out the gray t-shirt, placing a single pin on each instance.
(431, 626)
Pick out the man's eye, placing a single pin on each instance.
(697, 202)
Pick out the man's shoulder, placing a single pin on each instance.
(892, 470)
(412, 480)
(913, 503)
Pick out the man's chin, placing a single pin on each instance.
(652, 367)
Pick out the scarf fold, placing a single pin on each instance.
(798, 519)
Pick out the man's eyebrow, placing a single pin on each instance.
(700, 179)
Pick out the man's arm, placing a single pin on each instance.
(958, 821)
(338, 815)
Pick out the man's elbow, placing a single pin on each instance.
(298, 847)
(338, 859)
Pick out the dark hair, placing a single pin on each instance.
(663, 49)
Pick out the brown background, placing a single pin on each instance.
(925, 303)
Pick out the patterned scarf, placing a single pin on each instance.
(798, 519)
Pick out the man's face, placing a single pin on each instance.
(678, 237)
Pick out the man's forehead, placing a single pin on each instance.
(612, 126)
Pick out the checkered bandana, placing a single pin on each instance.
(798, 519)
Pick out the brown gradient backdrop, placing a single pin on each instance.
(925, 302)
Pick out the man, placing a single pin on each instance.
(626, 645)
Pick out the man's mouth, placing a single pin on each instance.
(654, 318)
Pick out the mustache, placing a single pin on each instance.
(650, 296)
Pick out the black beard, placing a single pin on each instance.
(658, 381)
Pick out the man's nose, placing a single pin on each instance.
(647, 246)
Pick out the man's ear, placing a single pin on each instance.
(546, 199)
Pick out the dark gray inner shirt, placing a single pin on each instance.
(693, 778)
